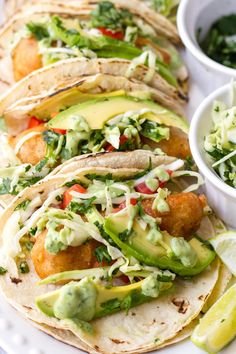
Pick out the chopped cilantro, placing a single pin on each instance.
(59, 198)
(102, 178)
(219, 43)
(5, 186)
(38, 30)
(73, 182)
(41, 165)
(102, 254)
(164, 278)
(126, 303)
(123, 236)
(2, 271)
(189, 163)
(23, 205)
(106, 15)
(81, 208)
(111, 305)
(23, 267)
(104, 234)
(32, 231)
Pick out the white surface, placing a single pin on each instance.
(195, 14)
(18, 336)
(221, 197)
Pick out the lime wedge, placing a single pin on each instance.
(218, 327)
(225, 246)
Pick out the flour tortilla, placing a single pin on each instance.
(146, 327)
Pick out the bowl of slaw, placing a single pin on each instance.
(213, 146)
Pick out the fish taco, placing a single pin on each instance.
(111, 260)
(104, 29)
(56, 115)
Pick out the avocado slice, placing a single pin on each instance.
(86, 300)
(139, 247)
(65, 99)
(98, 111)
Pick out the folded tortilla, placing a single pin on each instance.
(94, 76)
(146, 327)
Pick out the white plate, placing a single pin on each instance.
(18, 336)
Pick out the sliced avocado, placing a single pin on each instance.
(65, 99)
(86, 300)
(139, 247)
(98, 111)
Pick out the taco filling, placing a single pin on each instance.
(116, 241)
(104, 32)
(102, 123)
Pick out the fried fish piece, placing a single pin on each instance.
(32, 150)
(177, 145)
(73, 258)
(26, 58)
(184, 216)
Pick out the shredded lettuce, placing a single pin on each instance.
(220, 144)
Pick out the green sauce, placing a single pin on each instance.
(76, 300)
(151, 286)
(184, 251)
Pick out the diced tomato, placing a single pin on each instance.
(67, 198)
(142, 188)
(169, 172)
(97, 264)
(59, 131)
(109, 148)
(162, 184)
(113, 34)
(34, 122)
(123, 140)
(123, 205)
(124, 279)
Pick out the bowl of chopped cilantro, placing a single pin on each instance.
(208, 30)
(213, 146)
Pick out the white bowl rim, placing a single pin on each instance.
(193, 48)
(202, 165)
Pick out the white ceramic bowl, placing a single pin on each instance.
(195, 14)
(221, 197)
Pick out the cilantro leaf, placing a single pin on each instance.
(111, 305)
(23, 267)
(123, 236)
(102, 254)
(102, 178)
(38, 30)
(23, 205)
(81, 208)
(5, 186)
(2, 271)
(106, 15)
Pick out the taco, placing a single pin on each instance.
(92, 114)
(57, 31)
(110, 260)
